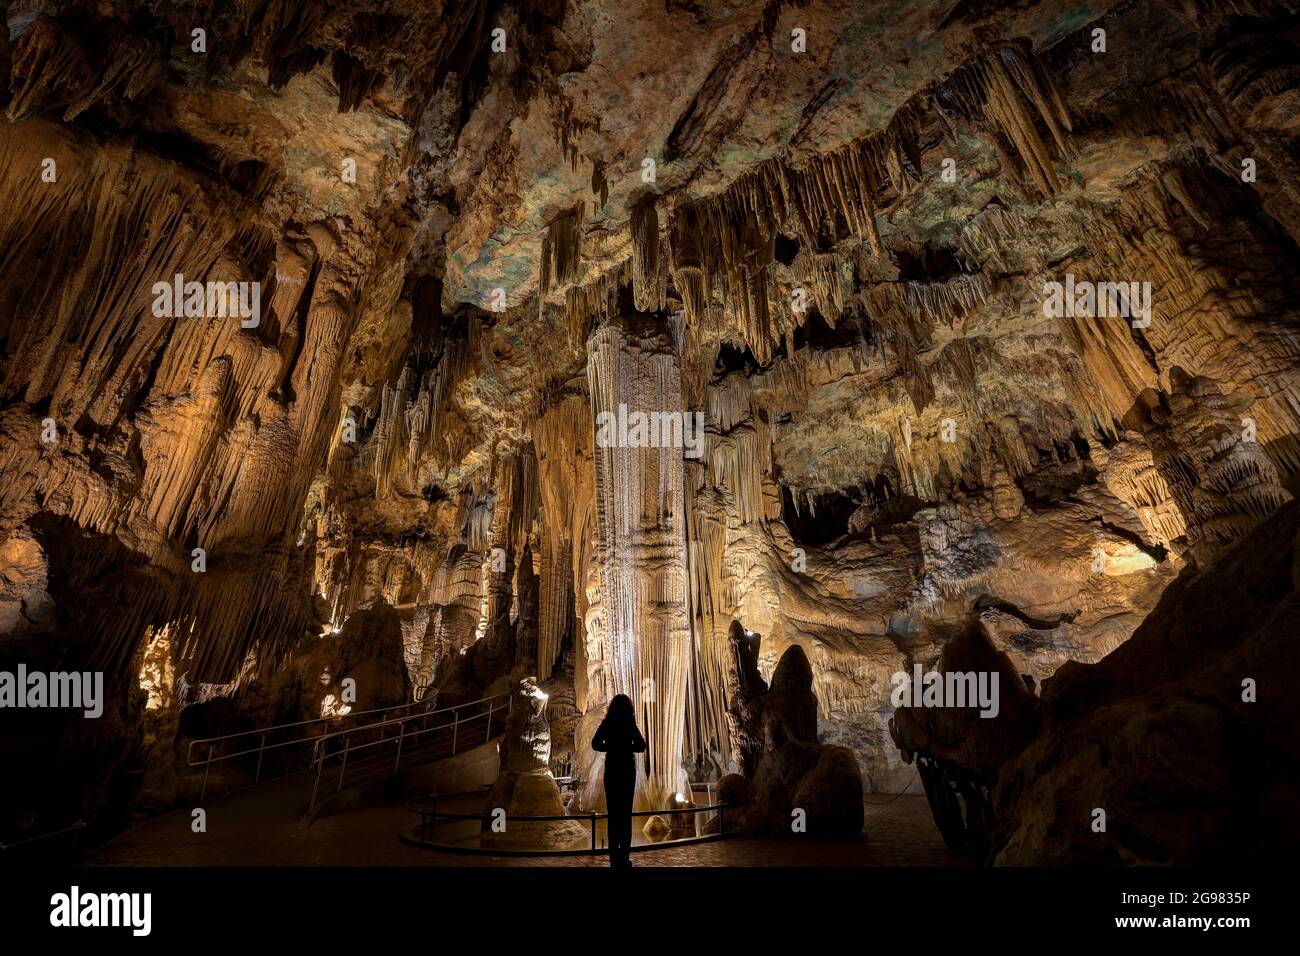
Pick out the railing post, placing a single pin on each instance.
(593, 831)
(206, 767)
(320, 764)
(343, 767)
(401, 734)
(455, 728)
(261, 750)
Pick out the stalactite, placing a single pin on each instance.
(1006, 108)
(599, 185)
(844, 182)
(712, 602)
(1158, 231)
(1030, 78)
(988, 233)
(945, 302)
(191, 387)
(902, 325)
(649, 277)
(390, 436)
(524, 498)
(474, 515)
(739, 454)
(1000, 88)
(1131, 475)
(561, 255)
(824, 275)
(134, 62)
(687, 263)
(354, 80)
(410, 422)
(1223, 486)
(47, 64)
(566, 486)
(724, 243)
(591, 304)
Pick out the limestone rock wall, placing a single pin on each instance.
(465, 249)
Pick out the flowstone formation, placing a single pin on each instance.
(638, 631)
(552, 340)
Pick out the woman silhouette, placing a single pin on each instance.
(618, 738)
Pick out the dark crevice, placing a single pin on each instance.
(735, 358)
(987, 602)
(852, 329)
(825, 521)
(1157, 552)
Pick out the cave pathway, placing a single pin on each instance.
(259, 828)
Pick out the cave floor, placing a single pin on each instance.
(249, 830)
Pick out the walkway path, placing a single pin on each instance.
(247, 830)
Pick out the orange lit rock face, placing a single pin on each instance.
(844, 256)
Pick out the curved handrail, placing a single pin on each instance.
(397, 721)
(429, 818)
(327, 746)
(487, 814)
(317, 760)
(189, 752)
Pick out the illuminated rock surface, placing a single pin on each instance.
(840, 262)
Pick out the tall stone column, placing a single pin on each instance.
(639, 635)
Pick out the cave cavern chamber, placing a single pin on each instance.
(897, 402)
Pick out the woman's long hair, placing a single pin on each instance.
(620, 717)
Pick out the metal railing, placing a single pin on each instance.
(216, 746)
(427, 810)
(26, 842)
(570, 783)
(414, 739)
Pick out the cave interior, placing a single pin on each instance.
(393, 367)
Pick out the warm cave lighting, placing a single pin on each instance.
(331, 706)
(875, 423)
(156, 669)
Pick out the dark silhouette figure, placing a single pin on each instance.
(618, 739)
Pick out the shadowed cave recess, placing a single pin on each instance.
(377, 359)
